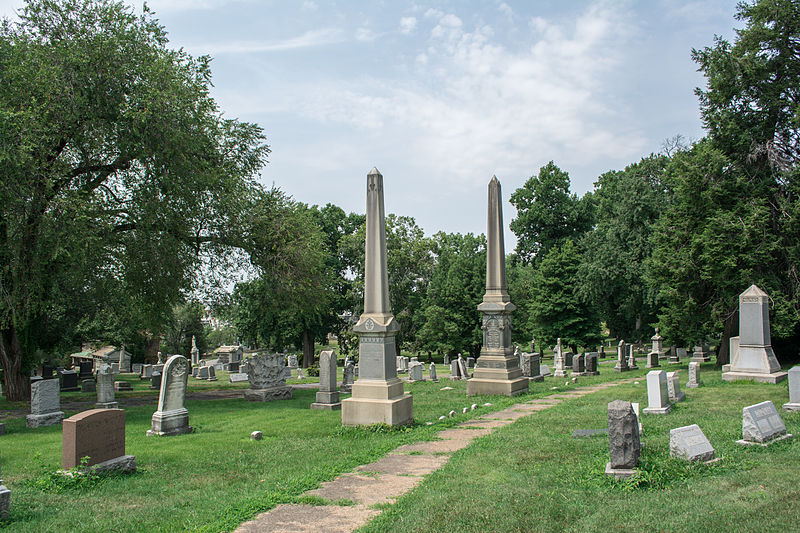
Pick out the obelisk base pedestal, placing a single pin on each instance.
(497, 375)
(377, 402)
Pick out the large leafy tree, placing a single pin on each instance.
(119, 174)
(628, 203)
(548, 213)
(448, 318)
(737, 191)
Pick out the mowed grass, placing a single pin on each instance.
(532, 476)
(216, 478)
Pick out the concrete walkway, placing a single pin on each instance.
(385, 480)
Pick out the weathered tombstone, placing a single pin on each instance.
(171, 417)
(658, 344)
(137, 368)
(122, 385)
(147, 372)
(531, 367)
(348, 376)
(579, 365)
(88, 385)
(652, 360)
(300, 374)
(470, 362)
(462, 367)
(195, 353)
(267, 379)
(115, 368)
(432, 373)
(591, 363)
(622, 361)
(497, 369)
(212, 373)
(160, 358)
(45, 404)
(754, 358)
(68, 380)
(545, 371)
(673, 355)
(98, 434)
(700, 356)
(105, 388)
(158, 368)
(602, 352)
(327, 397)
(455, 372)
(761, 424)
(155, 381)
(568, 357)
(446, 359)
(5, 500)
(559, 364)
(794, 390)
(694, 373)
(237, 377)
(689, 442)
(623, 440)
(203, 372)
(293, 361)
(657, 393)
(631, 357)
(682, 353)
(674, 388)
(85, 369)
(415, 372)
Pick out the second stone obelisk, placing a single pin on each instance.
(497, 370)
(378, 395)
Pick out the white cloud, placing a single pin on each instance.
(310, 38)
(308, 5)
(506, 10)
(407, 25)
(365, 35)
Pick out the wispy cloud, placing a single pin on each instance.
(407, 25)
(312, 38)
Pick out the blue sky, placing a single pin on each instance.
(442, 95)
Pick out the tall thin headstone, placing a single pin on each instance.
(622, 361)
(694, 375)
(45, 404)
(623, 439)
(171, 417)
(753, 358)
(497, 370)
(432, 373)
(559, 363)
(105, 388)
(631, 356)
(657, 393)
(328, 396)
(378, 395)
(195, 352)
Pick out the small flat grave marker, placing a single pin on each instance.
(690, 443)
(761, 424)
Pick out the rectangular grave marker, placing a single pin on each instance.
(98, 434)
(761, 424)
(689, 442)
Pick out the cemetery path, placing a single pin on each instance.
(385, 480)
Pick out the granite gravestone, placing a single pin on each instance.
(155, 380)
(674, 388)
(559, 364)
(88, 385)
(591, 363)
(579, 365)
(237, 377)
(652, 360)
(622, 358)
(415, 371)
(531, 367)
(699, 355)
(267, 379)
(195, 353)
(762, 424)
(378, 395)
(137, 368)
(203, 372)
(105, 388)
(98, 434)
(122, 386)
(631, 357)
(673, 356)
(751, 353)
(327, 397)
(694, 375)
(690, 443)
(544, 370)
(657, 393)
(45, 404)
(432, 373)
(348, 376)
(794, 390)
(623, 440)
(212, 373)
(171, 417)
(497, 370)
(68, 380)
(147, 372)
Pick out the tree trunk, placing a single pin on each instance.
(151, 346)
(17, 384)
(308, 349)
(723, 350)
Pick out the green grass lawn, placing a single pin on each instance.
(528, 476)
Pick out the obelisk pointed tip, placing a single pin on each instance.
(374, 172)
(494, 180)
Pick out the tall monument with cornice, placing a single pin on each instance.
(378, 395)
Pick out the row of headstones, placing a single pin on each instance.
(761, 424)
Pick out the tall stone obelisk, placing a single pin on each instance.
(497, 371)
(378, 395)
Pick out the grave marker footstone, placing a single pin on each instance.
(674, 388)
(690, 443)
(694, 375)
(98, 434)
(657, 393)
(171, 417)
(623, 437)
(761, 424)
(267, 379)
(327, 396)
(45, 404)
(794, 390)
